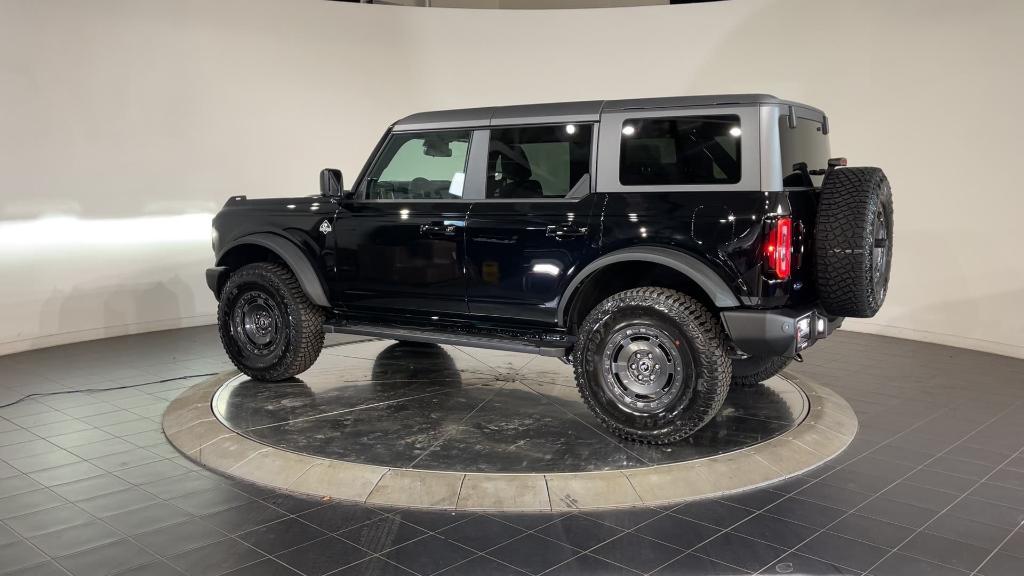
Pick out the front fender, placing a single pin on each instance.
(310, 280)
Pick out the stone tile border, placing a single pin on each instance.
(827, 430)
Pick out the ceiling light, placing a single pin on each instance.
(735, 131)
(628, 130)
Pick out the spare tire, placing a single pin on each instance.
(853, 241)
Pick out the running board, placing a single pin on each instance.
(508, 344)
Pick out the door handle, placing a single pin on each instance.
(566, 230)
(438, 229)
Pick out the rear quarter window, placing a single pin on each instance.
(805, 143)
(680, 150)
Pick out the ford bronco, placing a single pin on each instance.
(666, 248)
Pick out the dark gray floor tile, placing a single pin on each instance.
(677, 531)
(116, 502)
(532, 521)
(714, 512)
(897, 512)
(694, 564)
(805, 512)
(1003, 564)
(28, 502)
(49, 519)
(322, 556)
(478, 565)
(966, 530)
(91, 487)
(795, 563)
(431, 554)
(941, 481)
(482, 533)
(627, 518)
(179, 485)
(531, 553)
(758, 499)
(292, 504)
(373, 567)
(998, 493)
(988, 512)
(179, 537)
(637, 552)
(338, 517)
(945, 551)
(898, 564)
(843, 551)
(159, 568)
(207, 501)
(281, 535)
(145, 518)
(265, 567)
(774, 530)
(936, 500)
(215, 558)
(245, 517)
(18, 484)
(588, 565)
(71, 539)
(736, 550)
(835, 496)
(106, 559)
(960, 467)
(433, 520)
(872, 530)
(50, 568)
(20, 554)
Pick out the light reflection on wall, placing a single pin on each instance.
(73, 231)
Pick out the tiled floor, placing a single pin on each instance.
(933, 484)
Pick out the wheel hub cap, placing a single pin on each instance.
(259, 319)
(643, 369)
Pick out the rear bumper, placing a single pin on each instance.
(215, 278)
(779, 332)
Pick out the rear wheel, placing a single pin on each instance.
(269, 328)
(752, 370)
(651, 364)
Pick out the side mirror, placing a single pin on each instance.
(331, 184)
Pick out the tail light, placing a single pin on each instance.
(778, 251)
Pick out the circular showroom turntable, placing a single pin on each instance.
(432, 426)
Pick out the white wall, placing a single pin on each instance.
(135, 119)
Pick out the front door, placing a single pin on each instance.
(533, 226)
(401, 241)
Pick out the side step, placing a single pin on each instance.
(557, 349)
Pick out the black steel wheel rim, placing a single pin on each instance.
(644, 370)
(880, 251)
(257, 322)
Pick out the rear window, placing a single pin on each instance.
(683, 150)
(805, 143)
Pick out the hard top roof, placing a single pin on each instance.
(585, 111)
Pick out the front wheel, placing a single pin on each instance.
(269, 328)
(651, 364)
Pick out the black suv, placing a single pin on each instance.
(665, 247)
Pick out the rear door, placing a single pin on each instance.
(401, 240)
(532, 228)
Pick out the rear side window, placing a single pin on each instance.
(805, 143)
(539, 161)
(420, 165)
(682, 150)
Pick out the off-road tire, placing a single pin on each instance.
(850, 283)
(298, 337)
(752, 370)
(696, 332)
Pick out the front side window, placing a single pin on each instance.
(682, 150)
(420, 165)
(539, 161)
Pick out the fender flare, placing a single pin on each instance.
(309, 280)
(689, 266)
